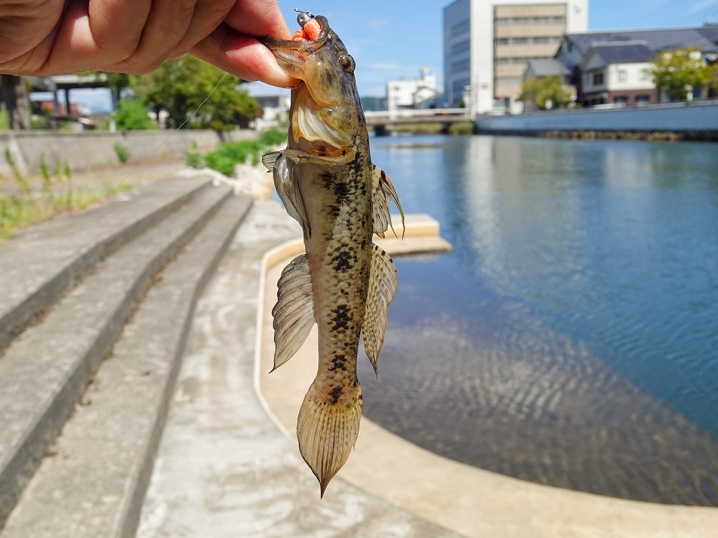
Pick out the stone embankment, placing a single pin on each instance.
(97, 149)
(671, 121)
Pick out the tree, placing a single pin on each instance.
(14, 97)
(132, 115)
(546, 92)
(678, 72)
(180, 86)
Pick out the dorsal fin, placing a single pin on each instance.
(382, 288)
(383, 191)
(294, 312)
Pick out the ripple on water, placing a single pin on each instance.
(473, 376)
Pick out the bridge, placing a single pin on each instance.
(383, 120)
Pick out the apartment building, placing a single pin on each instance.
(488, 44)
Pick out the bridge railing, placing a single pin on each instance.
(420, 113)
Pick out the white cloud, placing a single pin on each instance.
(377, 23)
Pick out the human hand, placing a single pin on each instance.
(46, 37)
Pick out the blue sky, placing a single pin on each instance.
(393, 39)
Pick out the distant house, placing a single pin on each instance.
(618, 74)
(410, 93)
(540, 68)
(612, 67)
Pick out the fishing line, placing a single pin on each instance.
(134, 169)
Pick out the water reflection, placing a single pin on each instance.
(572, 339)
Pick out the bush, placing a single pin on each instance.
(230, 154)
(193, 160)
(132, 115)
(123, 154)
(4, 119)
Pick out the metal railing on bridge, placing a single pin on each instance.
(417, 115)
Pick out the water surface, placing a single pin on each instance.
(572, 337)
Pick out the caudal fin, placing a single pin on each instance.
(327, 430)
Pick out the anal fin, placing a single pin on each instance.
(382, 288)
(294, 312)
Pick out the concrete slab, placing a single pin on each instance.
(43, 373)
(465, 499)
(224, 469)
(94, 483)
(41, 263)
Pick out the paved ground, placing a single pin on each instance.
(224, 468)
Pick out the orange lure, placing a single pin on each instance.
(309, 31)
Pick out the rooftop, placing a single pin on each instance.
(704, 38)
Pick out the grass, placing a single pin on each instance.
(56, 195)
(17, 211)
(230, 154)
(459, 128)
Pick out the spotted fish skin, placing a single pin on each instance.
(343, 283)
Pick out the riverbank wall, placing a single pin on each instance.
(669, 121)
(90, 149)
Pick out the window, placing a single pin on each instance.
(461, 27)
(645, 74)
(461, 46)
(622, 75)
(461, 65)
(643, 99)
(598, 79)
(620, 100)
(522, 21)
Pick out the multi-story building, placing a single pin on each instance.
(488, 43)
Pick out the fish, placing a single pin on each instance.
(343, 282)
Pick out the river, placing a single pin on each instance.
(571, 338)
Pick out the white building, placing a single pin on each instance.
(488, 43)
(410, 93)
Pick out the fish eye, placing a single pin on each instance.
(347, 63)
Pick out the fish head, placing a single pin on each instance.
(326, 106)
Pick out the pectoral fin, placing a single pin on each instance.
(294, 312)
(287, 185)
(383, 191)
(382, 288)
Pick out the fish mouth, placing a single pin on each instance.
(295, 53)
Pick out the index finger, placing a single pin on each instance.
(258, 18)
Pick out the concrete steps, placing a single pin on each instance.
(90, 480)
(40, 264)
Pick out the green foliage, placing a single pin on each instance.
(24, 209)
(131, 115)
(677, 72)
(123, 154)
(545, 92)
(45, 172)
(462, 128)
(230, 154)
(22, 183)
(193, 160)
(4, 118)
(180, 86)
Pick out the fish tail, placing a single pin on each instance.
(327, 429)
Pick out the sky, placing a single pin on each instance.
(393, 39)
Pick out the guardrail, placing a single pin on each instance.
(422, 113)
